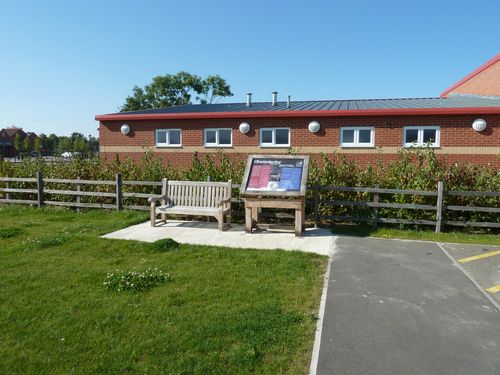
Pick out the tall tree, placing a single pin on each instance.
(18, 144)
(64, 144)
(176, 89)
(213, 88)
(38, 145)
(26, 144)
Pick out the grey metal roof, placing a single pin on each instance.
(335, 105)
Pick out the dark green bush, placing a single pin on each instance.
(166, 244)
(10, 232)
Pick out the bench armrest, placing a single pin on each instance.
(225, 201)
(157, 198)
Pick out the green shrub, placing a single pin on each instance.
(135, 281)
(166, 244)
(10, 232)
(414, 169)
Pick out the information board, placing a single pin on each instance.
(275, 175)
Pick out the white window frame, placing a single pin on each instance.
(167, 144)
(420, 142)
(273, 143)
(216, 144)
(356, 136)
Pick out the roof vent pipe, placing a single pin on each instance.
(275, 98)
(249, 99)
(288, 104)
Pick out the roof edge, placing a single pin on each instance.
(316, 113)
(474, 73)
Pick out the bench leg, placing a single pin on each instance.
(152, 213)
(164, 218)
(220, 220)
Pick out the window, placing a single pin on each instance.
(357, 137)
(275, 137)
(421, 136)
(218, 137)
(168, 137)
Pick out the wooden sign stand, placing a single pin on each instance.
(252, 205)
(277, 181)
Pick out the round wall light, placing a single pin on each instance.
(479, 125)
(125, 129)
(244, 127)
(314, 126)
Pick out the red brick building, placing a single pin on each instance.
(463, 124)
(8, 140)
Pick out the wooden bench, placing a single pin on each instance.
(194, 198)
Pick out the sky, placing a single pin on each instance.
(63, 62)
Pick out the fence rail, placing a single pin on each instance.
(114, 195)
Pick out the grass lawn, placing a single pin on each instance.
(425, 235)
(225, 311)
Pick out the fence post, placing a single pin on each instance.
(119, 203)
(39, 188)
(78, 200)
(7, 185)
(316, 203)
(439, 207)
(375, 209)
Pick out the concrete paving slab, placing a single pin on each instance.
(403, 307)
(319, 241)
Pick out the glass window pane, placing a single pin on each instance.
(211, 136)
(347, 136)
(175, 137)
(161, 137)
(267, 136)
(365, 136)
(225, 136)
(282, 136)
(429, 136)
(411, 136)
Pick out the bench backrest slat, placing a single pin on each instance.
(197, 193)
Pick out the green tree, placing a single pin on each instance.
(52, 144)
(18, 144)
(26, 144)
(213, 88)
(176, 89)
(38, 145)
(63, 145)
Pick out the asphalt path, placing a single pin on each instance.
(404, 307)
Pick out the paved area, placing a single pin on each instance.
(318, 241)
(481, 263)
(403, 307)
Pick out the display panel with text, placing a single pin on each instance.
(275, 175)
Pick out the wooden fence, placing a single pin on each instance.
(116, 192)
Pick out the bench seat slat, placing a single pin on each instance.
(188, 210)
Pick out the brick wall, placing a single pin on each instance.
(459, 142)
(485, 83)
